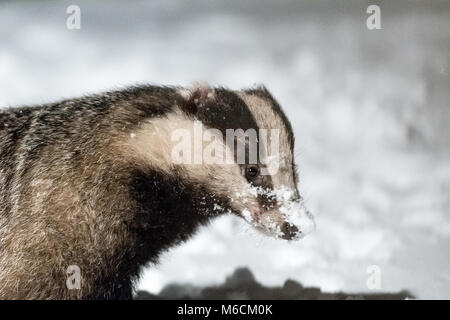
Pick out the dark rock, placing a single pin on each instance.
(243, 285)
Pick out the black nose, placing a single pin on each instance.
(289, 231)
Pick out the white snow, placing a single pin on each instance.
(369, 110)
(247, 216)
(294, 212)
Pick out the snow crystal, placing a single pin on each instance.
(247, 216)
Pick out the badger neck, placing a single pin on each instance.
(162, 211)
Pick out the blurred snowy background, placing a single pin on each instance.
(370, 110)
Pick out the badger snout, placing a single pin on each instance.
(292, 224)
(297, 224)
(284, 217)
(289, 231)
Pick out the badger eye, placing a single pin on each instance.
(251, 172)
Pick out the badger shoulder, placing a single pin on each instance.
(75, 192)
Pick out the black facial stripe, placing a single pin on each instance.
(229, 111)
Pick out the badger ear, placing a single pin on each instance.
(196, 97)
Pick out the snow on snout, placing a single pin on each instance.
(290, 209)
(295, 211)
(296, 214)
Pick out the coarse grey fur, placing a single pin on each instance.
(78, 186)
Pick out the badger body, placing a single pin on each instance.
(90, 182)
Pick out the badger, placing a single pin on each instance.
(92, 182)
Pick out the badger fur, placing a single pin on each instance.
(90, 182)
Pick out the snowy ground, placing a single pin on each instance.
(370, 111)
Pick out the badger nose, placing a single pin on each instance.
(289, 231)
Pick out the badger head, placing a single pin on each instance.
(237, 149)
(247, 157)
